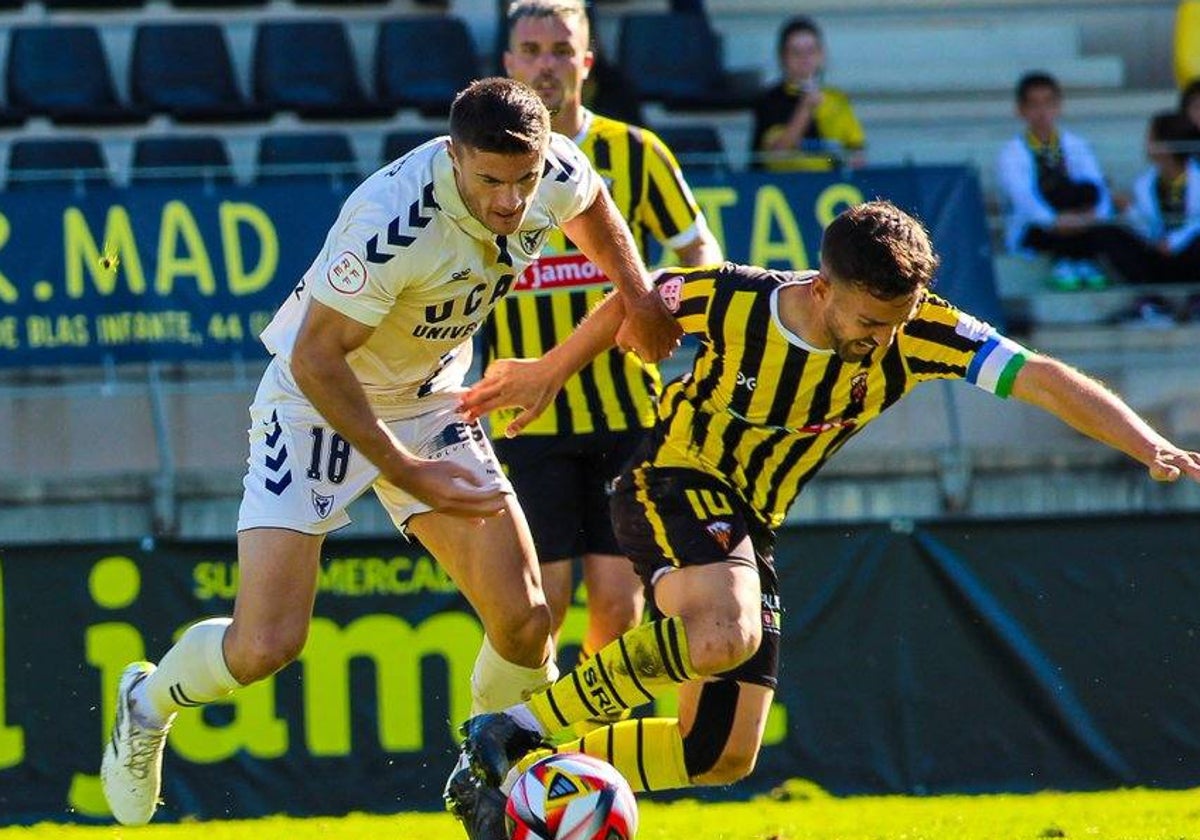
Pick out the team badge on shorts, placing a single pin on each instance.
(721, 532)
(322, 504)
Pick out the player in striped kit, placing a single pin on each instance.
(562, 463)
(791, 365)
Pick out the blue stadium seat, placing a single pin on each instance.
(423, 62)
(307, 67)
(697, 147)
(185, 70)
(92, 4)
(313, 156)
(37, 163)
(212, 4)
(180, 160)
(62, 72)
(675, 58)
(398, 143)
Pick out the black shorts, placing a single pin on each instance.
(667, 518)
(562, 482)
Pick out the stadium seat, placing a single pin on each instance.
(185, 70)
(397, 143)
(92, 4)
(36, 163)
(62, 72)
(180, 160)
(697, 147)
(307, 67)
(423, 62)
(675, 58)
(214, 4)
(315, 156)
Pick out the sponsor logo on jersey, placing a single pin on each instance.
(322, 504)
(347, 274)
(569, 271)
(671, 291)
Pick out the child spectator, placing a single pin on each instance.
(1053, 187)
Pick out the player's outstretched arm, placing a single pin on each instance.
(601, 234)
(319, 366)
(530, 384)
(1087, 406)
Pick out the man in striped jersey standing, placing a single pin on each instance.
(562, 462)
(790, 366)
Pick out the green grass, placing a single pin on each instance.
(801, 813)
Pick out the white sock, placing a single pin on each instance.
(497, 683)
(522, 715)
(191, 673)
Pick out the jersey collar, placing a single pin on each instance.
(791, 337)
(446, 191)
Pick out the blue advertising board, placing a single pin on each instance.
(176, 272)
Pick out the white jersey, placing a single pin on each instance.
(407, 258)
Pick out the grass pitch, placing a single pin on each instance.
(797, 812)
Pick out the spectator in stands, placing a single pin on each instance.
(1166, 212)
(1057, 201)
(800, 124)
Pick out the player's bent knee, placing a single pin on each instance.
(725, 646)
(521, 634)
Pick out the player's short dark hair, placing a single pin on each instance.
(1175, 131)
(499, 115)
(880, 248)
(800, 23)
(571, 11)
(1036, 79)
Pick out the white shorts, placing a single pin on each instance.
(302, 475)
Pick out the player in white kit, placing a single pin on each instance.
(370, 350)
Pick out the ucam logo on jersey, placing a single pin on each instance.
(346, 273)
(568, 271)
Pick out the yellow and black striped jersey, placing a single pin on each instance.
(617, 390)
(763, 411)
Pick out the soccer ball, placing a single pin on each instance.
(571, 795)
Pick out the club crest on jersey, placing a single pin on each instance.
(322, 504)
(858, 389)
(671, 292)
(532, 240)
(346, 273)
(721, 532)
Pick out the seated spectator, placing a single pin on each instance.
(1056, 200)
(799, 124)
(1166, 203)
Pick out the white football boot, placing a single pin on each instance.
(131, 772)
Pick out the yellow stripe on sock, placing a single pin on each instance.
(645, 662)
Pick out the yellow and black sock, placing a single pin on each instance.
(645, 662)
(648, 752)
